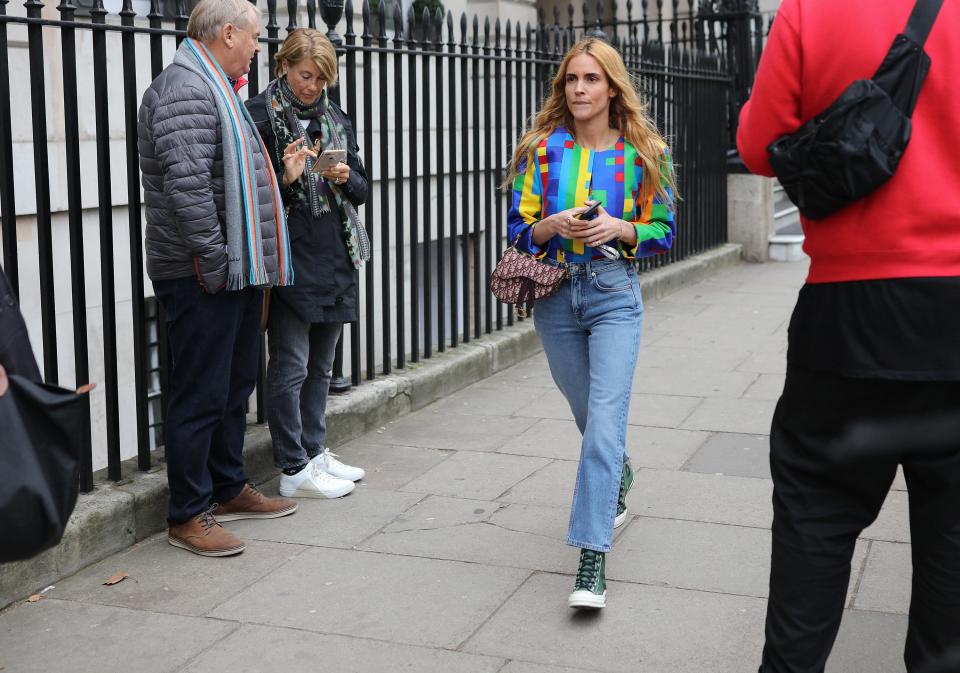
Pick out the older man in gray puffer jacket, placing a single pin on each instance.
(209, 255)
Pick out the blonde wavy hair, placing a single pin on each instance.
(304, 43)
(627, 114)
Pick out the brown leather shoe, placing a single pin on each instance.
(252, 504)
(204, 536)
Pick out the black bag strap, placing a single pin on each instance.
(922, 18)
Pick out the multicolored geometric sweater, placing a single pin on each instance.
(566, 175)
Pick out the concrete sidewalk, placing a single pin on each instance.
(450, 556)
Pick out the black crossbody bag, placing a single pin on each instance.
(854, 146)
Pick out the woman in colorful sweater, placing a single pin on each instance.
(593, 141)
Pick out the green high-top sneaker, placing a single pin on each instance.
(626, 481)
(590, 589)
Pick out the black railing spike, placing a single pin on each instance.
(397, 22)
(181, 8)
(644, 10)
(586, 13)
(366, 33)
(451, 38)
(271, 14)
(291, 15)
(127, 8)
(496, 33)
(570, 12)
(382, 20)
(629, 12)
(556, 15)
(438, 26)
(476, 31)
(486, 31)
(348, 15)
(508, 34)
(312, 14)
(463, 27)
(599, 13)
(425, 26)
(411, 26)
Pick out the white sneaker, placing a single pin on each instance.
(311, 482)
(327, 462)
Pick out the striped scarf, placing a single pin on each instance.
(244, 241)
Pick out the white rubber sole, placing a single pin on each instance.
(177, 542)
(329, 495)
(587, 599)
(256, 515)
(621, 518)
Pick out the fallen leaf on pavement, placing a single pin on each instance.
(115, 578)
(34, 598)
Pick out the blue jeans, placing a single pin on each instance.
(214, 352)
(301, 357)
(590, 331)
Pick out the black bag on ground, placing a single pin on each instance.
(854, 146)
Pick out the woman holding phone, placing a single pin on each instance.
(312, 145)
(593, 152)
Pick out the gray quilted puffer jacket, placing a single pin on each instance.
(181, 159)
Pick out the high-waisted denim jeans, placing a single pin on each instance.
(590, 331)
(301, 357)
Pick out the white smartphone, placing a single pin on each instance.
(328, 159)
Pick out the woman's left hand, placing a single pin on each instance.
(604, 227)
(338, 175)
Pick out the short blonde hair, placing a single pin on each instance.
(310, 43)
(210, 16)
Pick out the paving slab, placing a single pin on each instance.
(667, 355)
(163, 578)
(664, 448)
(482, 476)
(661, 411)
(400, 599)
(765, 363)
(551, 486)
(530, 667)
(704, 556)
(389, 467)
(765, 387)
(691, 382)
(666, 494)
(893, 523)
(887, 577)
(869, 642)
(264, 648)
(733, 453)
(731, 415)
(434, 429)
(512, 541)
(342, 522)
(490, 400)
(642, 630)
(53, 636)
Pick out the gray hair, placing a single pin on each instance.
(210, 16)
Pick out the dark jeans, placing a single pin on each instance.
(16, 355)
(214, 354)
(301, 357)
(834, 450)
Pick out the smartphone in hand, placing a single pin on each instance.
(328, 159)
(590, 212)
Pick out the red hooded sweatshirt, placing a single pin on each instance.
(910, 227)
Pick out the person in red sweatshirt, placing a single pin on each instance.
(873, 363)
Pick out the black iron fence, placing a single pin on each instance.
(437, 102)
